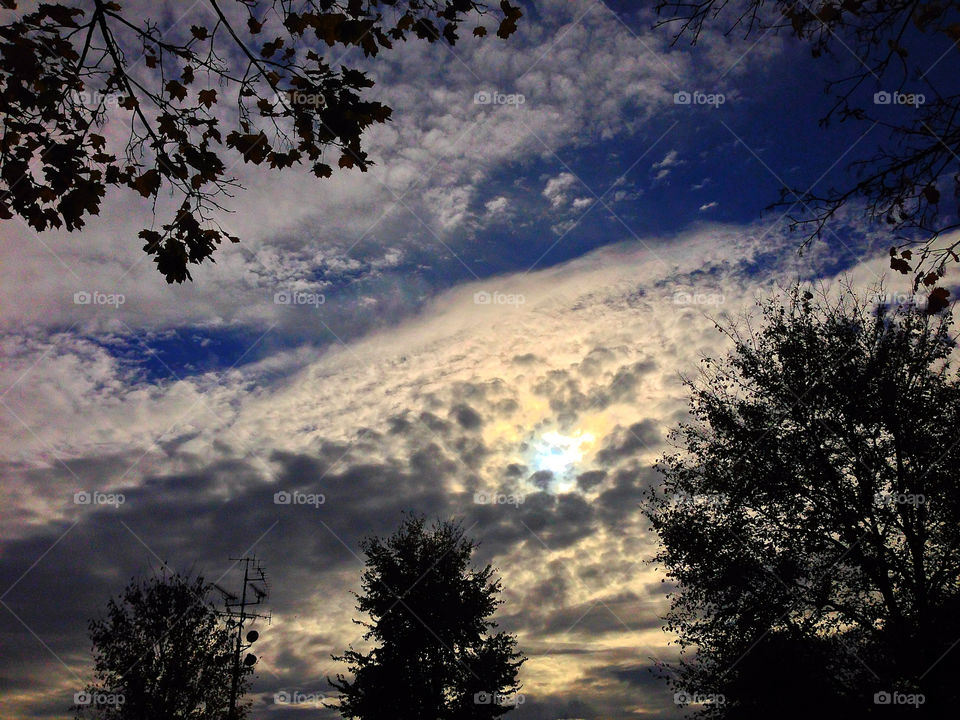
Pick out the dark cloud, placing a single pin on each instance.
(542, 479)
(514, 470)
(638, 684)
(557, 520)
(590, 479)
(526, 359)
(399, 424)
(563, 392)
(621, 613)
(550, 591)
(467, 417)
(623, 385)
(506, 407)
(619, 501)
(628, 442)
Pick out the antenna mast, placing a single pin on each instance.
(238, 613)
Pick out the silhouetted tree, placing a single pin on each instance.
(64, 67)
(162, 653)
(913, 182)
(430, 616)
(811, 518)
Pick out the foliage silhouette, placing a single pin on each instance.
(430, 612)
(911, 184)
(164, 648)
(63, 65)
(811, 518)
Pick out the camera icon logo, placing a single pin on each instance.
(282, 498)
(681, 98)
(882, 98)
(82, 298)
(82, 698)
(282, 298)
(482, 698)
(281, 698)
(482, 98)
(882, 698)
(482, 298)
(81, 498)
(682, 698)
(481, 498)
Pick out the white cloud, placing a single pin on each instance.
(558, 189)
(580, 69)
(666, 165)
(669, 160)
(497, 206)
(708, 206)
(582, 203)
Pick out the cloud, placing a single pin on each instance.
(463, 402)
(708, 206)
(665, 166)
(670, 160)
(498, 206)
(558, 189)
(397, 391)
(393, 232)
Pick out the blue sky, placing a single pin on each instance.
(606, 225)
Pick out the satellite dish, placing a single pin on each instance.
(250, 659)
(252, 636)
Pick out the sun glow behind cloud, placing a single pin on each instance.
(561, 454)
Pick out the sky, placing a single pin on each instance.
(493, 324)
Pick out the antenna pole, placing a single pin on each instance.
(240, 617)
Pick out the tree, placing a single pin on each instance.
(810, 518)
(430, 611)
(66, 69)
(912, 184)
(162, 653)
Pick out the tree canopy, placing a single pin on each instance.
(430, 622)
(810, 518)
(66, 69)
(162, 652)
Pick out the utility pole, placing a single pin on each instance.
(237, 614)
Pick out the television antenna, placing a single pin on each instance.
(238, 613)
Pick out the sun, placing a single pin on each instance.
(560, 453)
